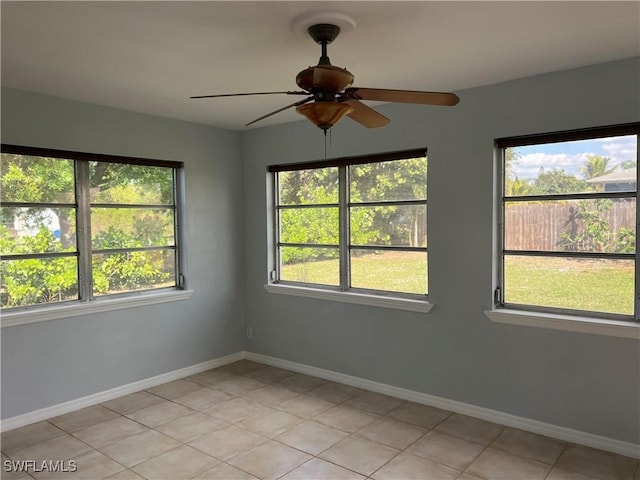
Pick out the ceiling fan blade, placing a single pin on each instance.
(301, 102)
(402, 96)
(366, 115)
(255, 93)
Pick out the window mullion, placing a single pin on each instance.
(83, 229)
(344, 234)
(636, 306)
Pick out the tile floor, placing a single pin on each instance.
(248, 421)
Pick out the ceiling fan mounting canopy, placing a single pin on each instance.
(330, 96)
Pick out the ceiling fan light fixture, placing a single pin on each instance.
(324, 115)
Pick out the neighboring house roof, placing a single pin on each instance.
(628, 175)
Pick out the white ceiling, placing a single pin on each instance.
(151, 56)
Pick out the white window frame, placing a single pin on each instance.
(600, 323)
(344, 292)
(86, 302)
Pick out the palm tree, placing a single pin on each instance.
(596, 166)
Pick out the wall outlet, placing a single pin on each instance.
(248, 331)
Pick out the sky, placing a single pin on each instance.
(570, 156)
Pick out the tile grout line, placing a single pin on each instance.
(300, 419)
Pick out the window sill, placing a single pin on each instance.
(35, 315)
(597, 326)
(350, 297)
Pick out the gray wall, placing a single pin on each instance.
(581, 381)
(48, 363)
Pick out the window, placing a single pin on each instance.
(79, 226)
(568, 216)
(353, 224)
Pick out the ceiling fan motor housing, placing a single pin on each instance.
(324, 78)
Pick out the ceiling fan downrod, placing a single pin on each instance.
(323, 34)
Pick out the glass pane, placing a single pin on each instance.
(36, 179)
(37, 230)
(595, 165)
(404, 225)
(310, 265)
(131, 227)
(309, 225)
(580, 284)
(571, 225)
(392, 271)
(121, 183)
(38, 280)
(318, 185)
(389, 181)
(131, 271)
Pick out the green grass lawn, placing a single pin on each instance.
(596, 285)
(391, 271)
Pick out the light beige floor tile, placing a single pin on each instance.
(269, 460)
(311, 437)
(421, 415)
(132, 402)
(562, 474)
(270, 395)
(469, 428)
(111, 431)
(190, 427)
(139, 448)
(442, 448)
(228, 442)
(91, 465)
(536, 447)
(359, 454)
(374, 402)
(210, 378)
(299, 382)
(335, 392)
(83, 418)
(597, 463)
(182, 462)
(269, 422)
(30, 435)
(270, 374)
(11, 471)
(306, 406)
(174, 389)
(494, 464)
(59, 448)
(319, 469)
(234, 410)
(202, 398)
(239, 385)
(346, 418)
(470, 476)
(242, 367)
(409, 467)
(392, 432)
(125, 475)
(223, 471)
(159, 414)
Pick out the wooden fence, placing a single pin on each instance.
(540, 226)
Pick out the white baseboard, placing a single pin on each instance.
(542, 428)
(100, 397)
(535, 426)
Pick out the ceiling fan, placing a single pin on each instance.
(329, 95)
